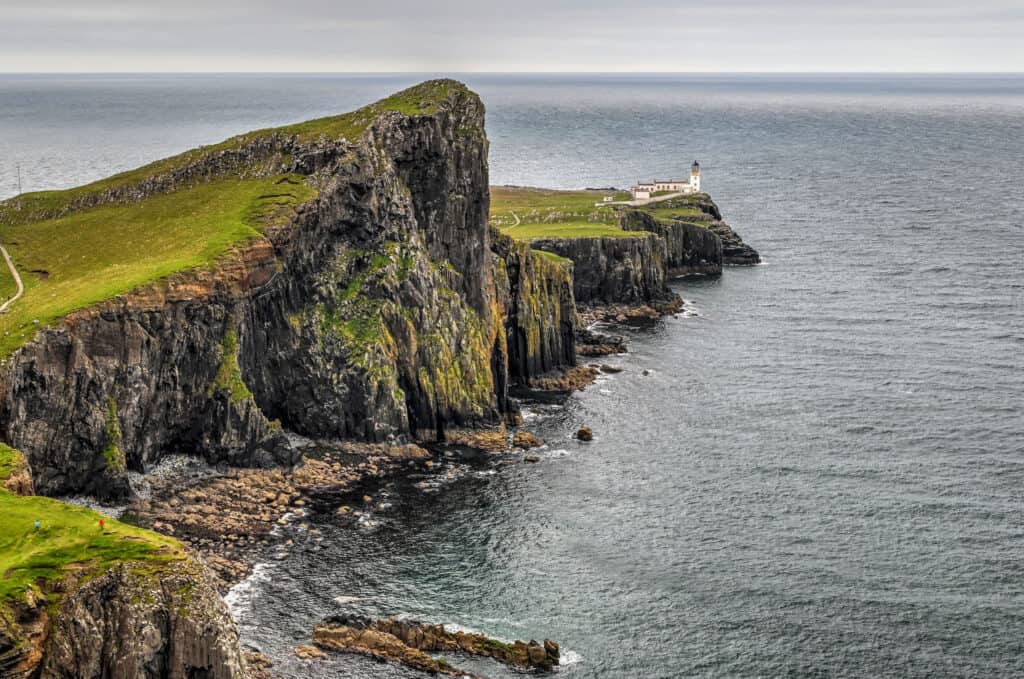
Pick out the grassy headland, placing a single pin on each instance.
(70, 257)
(422, 99)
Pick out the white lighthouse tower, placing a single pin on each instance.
(695, 176)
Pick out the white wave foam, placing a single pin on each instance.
(113, 511)
(345, 600)
(239, 597)
(569, 658)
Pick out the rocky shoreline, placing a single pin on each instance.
(229, 520)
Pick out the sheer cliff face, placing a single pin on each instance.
(126, 624)
(690, 249)
(621, 270)
(536, 296)
(371, 314)
(383, 320)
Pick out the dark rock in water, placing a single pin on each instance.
(591, 343)
(610, 369)
(734, 250)
(408, 642)
(585, 434)
(568, 380)
(526, 440)
(531, 458)
(494, 441)
(636, 315)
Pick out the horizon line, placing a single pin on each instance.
(467, 73)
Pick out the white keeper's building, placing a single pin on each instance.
(644, 190)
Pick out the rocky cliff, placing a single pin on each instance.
(369, 311)
(131, 622)
(690, 249)
(535, 292)
(697, 241)
(88, 599)
(734, 251)
(614, 270)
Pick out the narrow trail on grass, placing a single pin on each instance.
(516, 218)
(17, 279)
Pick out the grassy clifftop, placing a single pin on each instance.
(69, 539)
(423, 99)
(532, 213)
(529, 213)
(71, 257)
(89, 256)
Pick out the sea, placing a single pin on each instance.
(815, 471)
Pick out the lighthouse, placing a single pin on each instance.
(695, 176)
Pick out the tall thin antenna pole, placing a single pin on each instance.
(18, 166)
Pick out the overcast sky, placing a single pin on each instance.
(517, 35)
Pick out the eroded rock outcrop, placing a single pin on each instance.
(734, 250)
(407, 642)
(535, 293)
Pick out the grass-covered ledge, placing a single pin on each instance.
(69, 539)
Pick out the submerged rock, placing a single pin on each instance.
(585, 434)
(572, 379)
(526, 440)
(308, 652)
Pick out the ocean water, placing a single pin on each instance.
(820, 475)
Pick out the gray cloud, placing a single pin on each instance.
(529, 35)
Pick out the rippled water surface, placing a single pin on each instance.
(821, 473)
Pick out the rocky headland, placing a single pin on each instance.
(622, 255)
(357, 312)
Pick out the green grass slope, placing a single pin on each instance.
(89, 256)
(7, 285)
(546, 213)
(69, 539)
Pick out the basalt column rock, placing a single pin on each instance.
(690, 249)
(535, 292)
(129, 624)
(383, 321)
(614, 270)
